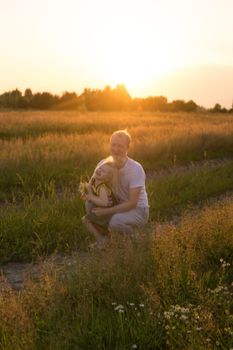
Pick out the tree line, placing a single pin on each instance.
(107, 99)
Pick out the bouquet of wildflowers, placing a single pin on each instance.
(83, 186)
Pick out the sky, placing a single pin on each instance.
(180, 49)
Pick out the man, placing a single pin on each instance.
(133, 209)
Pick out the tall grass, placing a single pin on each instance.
(171, 194)
(39, 146)
(31, 123)
(40, 227)
(43, 224)
(169, 290)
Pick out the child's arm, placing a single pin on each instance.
(100, 201)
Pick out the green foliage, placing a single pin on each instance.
(42, 226)
(44, 223)
(108, 99)
(170, 195)
(162, 291)
(169, 289)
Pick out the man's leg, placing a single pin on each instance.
(129, 221)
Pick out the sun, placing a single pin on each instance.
(134, 62)
(132, 68)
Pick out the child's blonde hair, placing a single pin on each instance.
(110, 170)
(113, 178)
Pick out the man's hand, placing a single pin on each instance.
(101, 211)
(110, 201)
(122, 207)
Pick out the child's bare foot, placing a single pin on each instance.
(101, 234)
(101, 246)
(84, 220)
(92, 246)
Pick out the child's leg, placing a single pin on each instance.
(99, 236)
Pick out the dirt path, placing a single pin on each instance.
(14, 274)
(182, 169)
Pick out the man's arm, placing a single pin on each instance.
(123, 207)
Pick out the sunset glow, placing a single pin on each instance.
(135, 63)
(69, 45)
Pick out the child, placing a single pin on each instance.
(99, 194)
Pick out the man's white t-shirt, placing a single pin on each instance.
(131, 175)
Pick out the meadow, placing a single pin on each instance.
(170, 289)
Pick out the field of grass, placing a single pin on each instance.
(40, 147)
(170, 289)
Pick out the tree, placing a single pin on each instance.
(177, 106)
(190, 106)
(28, 95)
(156, 103)
(160, 103)
(14, 97)
(217, 108)
(120, 98)
(4, 100)
(43, 100)
(69, 100)
(22, 102)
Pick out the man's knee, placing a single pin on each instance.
(114, 223)
(118, 224)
